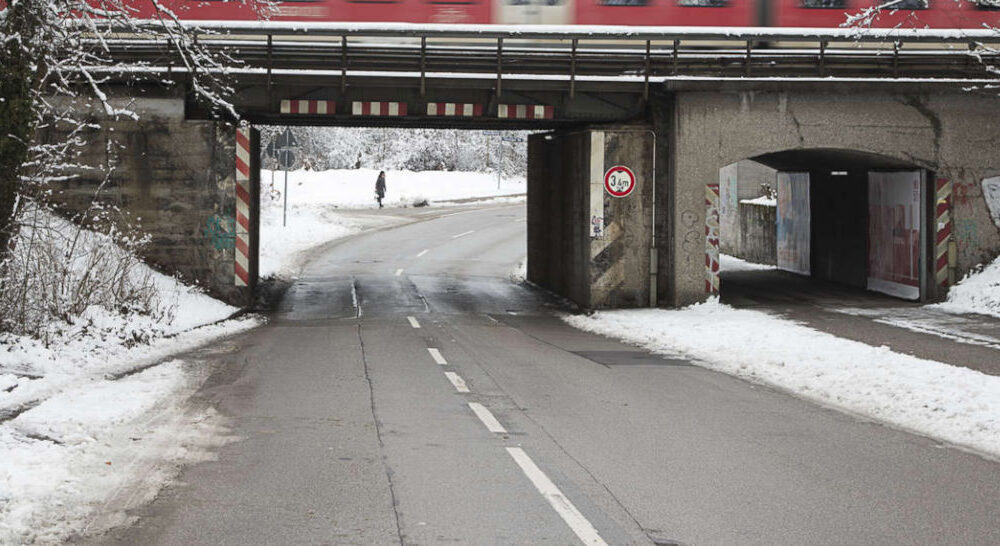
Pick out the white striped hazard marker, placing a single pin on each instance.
(359, 108)
(454, 109)
(242, 265)
(525, 111)
(321, 107)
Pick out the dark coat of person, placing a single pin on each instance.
(380, 185)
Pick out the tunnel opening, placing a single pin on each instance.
(824, 223)
(318, 184)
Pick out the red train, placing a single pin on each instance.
(739, 13)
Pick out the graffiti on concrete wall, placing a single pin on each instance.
(694, 240)
(966, 235)
(220, 231)
(991, 192)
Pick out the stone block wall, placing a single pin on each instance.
(174, 180)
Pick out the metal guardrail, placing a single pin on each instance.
(622, 56)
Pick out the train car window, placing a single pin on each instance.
(824, 4)
(702, 3)
(988, 4)
(903, 4)
(625, 3)
(526, 2)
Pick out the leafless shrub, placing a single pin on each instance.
(59, 273)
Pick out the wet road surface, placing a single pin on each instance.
(408, 393)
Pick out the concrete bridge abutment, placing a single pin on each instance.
(588, 242)
(952, 137)
(172, 179)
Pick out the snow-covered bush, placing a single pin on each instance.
(59, 276)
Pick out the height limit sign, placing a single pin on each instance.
(619, 181)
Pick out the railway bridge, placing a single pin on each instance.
(885, 144)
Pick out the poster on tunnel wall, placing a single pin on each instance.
(794, 227)
(894, 233)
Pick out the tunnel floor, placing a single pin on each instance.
(967, 340)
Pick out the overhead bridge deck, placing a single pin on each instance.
(583, 74)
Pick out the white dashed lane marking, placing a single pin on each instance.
(413, 322)
(459, 383)
(463, 234)
(422, 252)
(436, 355)
(399, 272)
(487, 418)
(562, 505)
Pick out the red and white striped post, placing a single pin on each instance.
(943, 271)
(242, 262)
(712, 224)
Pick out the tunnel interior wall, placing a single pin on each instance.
(950, 132)
(839, 239)
(738, 181)
(174, 180)
(758, 233)
(558, 214)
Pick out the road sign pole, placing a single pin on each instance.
(499, 160)
(284, 213)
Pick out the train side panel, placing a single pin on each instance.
(911, 13)
(739, 13)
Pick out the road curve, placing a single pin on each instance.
(355, 426)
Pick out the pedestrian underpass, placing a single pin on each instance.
(833, 221)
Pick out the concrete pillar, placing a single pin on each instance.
(585, 243)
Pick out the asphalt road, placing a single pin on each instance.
(355, 427)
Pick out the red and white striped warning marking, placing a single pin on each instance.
(320, 107)
(242, 265)
(942, 218)
(454, 109)
(712, 238)
(359, 108)
(525, 111)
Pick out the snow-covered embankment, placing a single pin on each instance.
(949, 403)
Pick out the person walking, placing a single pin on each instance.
(380, 188)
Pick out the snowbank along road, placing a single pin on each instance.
(407, 392)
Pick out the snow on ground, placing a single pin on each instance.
(356, 188)
(952, 404)
(732, 263)
(978, 292)
(762, 200)
(76, 462)
(315, 197)
(76, 404)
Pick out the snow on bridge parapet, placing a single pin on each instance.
(596, 32)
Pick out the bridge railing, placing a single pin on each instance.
(624, 57)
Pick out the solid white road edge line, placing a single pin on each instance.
(422, 252)
(399, 272)
(413, 322)
(579, 524)
(470, 232)
(459, 383)
(487, 418)
(436, 355)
